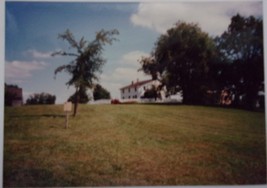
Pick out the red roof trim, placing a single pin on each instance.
(136, 84)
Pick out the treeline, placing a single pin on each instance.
(207, 70)
(14, 97)
(98, 93)
(41, 98)
(12, 94)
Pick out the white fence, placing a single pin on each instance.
(167, 100)
(102, 101)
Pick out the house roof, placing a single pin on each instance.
(136, 84)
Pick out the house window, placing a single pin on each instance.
(135, 88)
(144, 87)
(129, 97)
(129, 89)
(122, 90)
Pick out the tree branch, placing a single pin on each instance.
(62, 53)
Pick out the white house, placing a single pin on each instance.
(137, 89)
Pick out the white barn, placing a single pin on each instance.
(137, 89)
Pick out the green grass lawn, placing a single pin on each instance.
(112, 145)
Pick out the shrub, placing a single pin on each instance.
(115, 101)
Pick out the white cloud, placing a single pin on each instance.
(132, 58)
(123, 75)
(128, 69)
(113, 88)
(19, 70)
(37, 54)
(212, 17)
(127, 74)
(26, 95)
(62, 94)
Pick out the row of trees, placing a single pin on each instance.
(41, 98)
(189, 61)
(46, 98)
(13, 93)
(84, 97)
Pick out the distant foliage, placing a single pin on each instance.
(100, 93)
(41, 98)
(83, 96)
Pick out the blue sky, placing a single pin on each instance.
(32, 29)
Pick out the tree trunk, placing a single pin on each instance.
(75, 108)
(76, 102)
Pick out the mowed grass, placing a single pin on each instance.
(118, 145)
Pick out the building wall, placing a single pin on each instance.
(17, 103)
(129, 93)
(16, 92)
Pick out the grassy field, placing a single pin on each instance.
(112, 145)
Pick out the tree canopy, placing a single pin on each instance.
(100, 93)
(186, 59)
(181, 61)
(241, 52)
(84, 97)
(87, 62)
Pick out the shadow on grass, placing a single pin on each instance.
(38, 116)
(28, 177)
(58, 120)
(54, 115)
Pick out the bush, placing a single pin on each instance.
(100, 93)
(115, 101)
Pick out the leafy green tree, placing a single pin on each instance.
(181, 61)
(100, 93)
(88, 60)
(41, 98)
(83, 96)
(241, 52)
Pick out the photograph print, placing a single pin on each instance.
(166, 93)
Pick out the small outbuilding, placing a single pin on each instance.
(14, 95)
